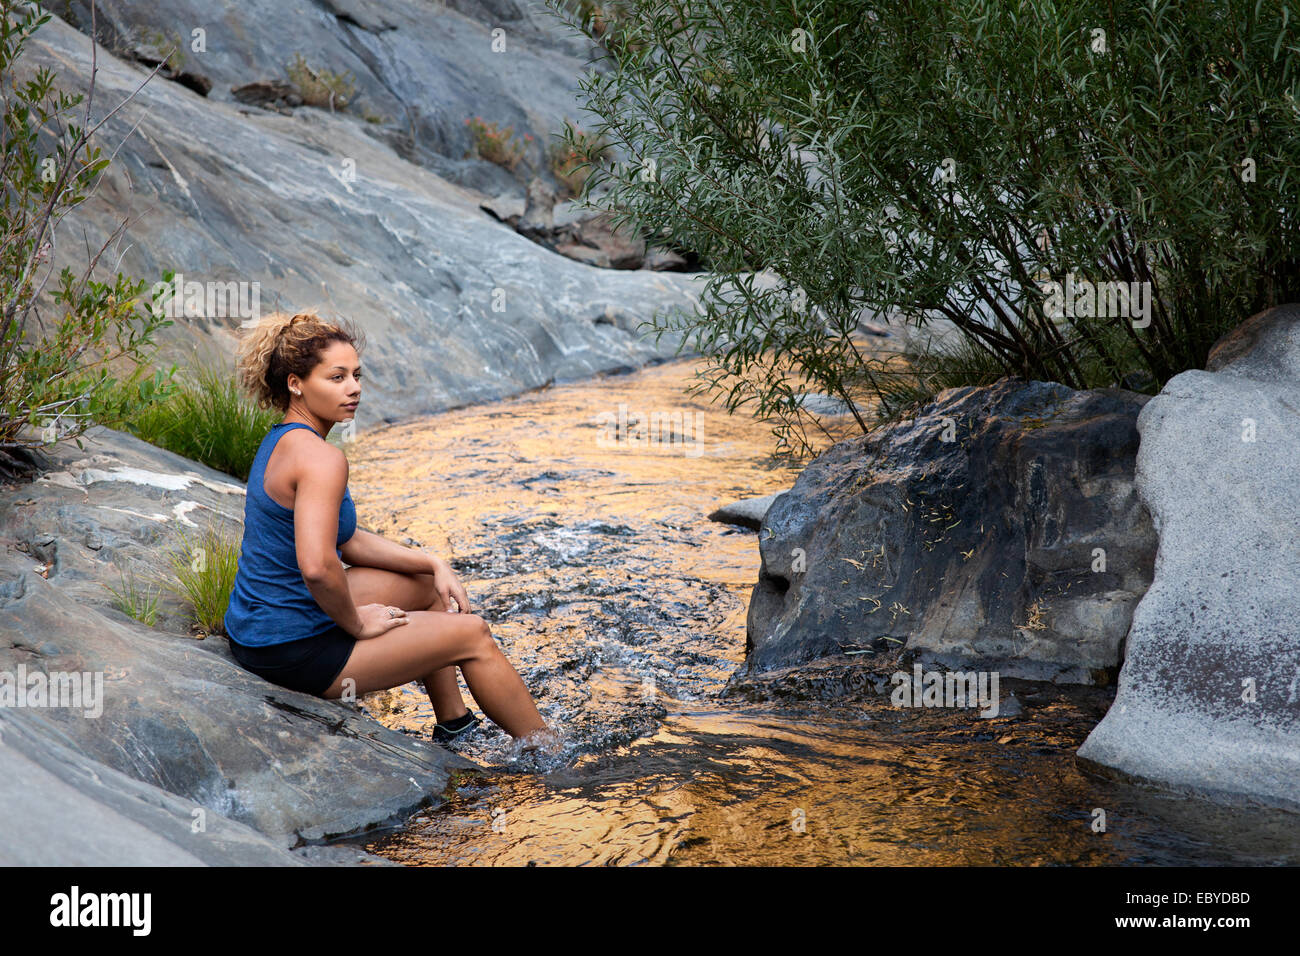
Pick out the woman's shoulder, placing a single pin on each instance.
(309, 451)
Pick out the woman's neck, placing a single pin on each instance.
(320, 428)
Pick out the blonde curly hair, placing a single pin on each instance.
(281, 344)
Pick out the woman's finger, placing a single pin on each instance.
(462, 598)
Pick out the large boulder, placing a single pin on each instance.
(64, 809)
(178, 713)
(309, 210)
(1208, 700)
(999, 528)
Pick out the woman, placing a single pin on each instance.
(297, 617)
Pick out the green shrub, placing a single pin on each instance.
(208, 419)
(949, 161)
(88, 365)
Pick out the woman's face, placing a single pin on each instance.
(333, 389)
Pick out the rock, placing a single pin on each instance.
(977, 551)
(1207, 695)
(64, 809)
(488, 10)
(1011, 707)
(663, 260)
(537, 218)
(569, 213)
(341, 855)
(268, 94)
(180, 714)
(366, 15)
(504, 208)
(313, 210)
(747, 513)
(816, 403)
(625, 248)
(580, 253)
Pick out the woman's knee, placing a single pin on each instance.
(478, 640)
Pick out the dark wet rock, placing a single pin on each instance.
(973, 533)
(179, 714)
(1010, 707)
(341, 854)
(747, 513)
(1207, 699)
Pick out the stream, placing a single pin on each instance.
(623, 608)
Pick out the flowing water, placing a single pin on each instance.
(623, 607)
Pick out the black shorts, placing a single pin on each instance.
(308, 664)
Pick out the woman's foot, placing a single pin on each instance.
(545, 739)
(456, 728)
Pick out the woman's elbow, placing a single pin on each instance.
(318, 570)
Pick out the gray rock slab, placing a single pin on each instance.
(64, 809)
(1208, 700)
(747, 513)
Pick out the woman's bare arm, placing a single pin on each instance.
(322, 478)
(370, 550)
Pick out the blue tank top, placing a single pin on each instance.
(270, 603)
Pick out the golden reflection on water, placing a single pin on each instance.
(600, 572)
(445, 480)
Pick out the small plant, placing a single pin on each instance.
(320, 87)
(497, 145)
(204, 570)
(132, 601)
(573, 155)
(209, 419)
(167, 47)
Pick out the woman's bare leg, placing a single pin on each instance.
(438, 639)
(411, 592)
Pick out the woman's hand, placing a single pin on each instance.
(448, 585)
(379, 619)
